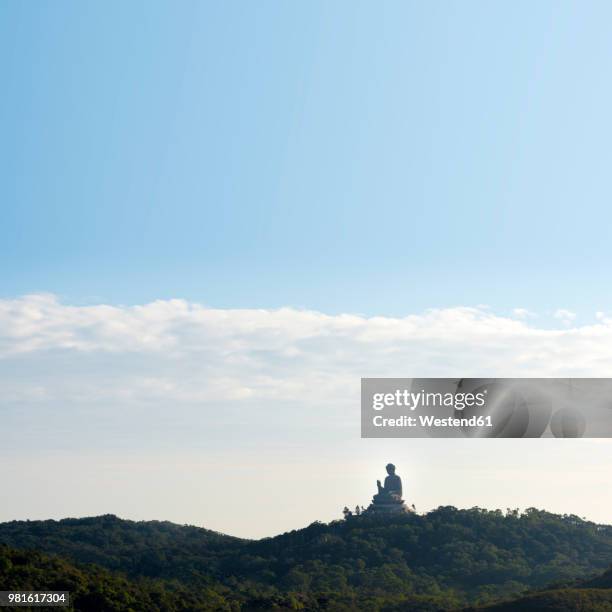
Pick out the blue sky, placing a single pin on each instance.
(344, 156)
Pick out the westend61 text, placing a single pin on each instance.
(431, 421)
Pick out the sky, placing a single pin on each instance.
(217, 217)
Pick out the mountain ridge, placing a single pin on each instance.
(445, 559)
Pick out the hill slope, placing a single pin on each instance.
(559, 600)
(94, 589)
(594, 595)
(600, 582)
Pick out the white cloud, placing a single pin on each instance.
(522, 313)
(565, 316)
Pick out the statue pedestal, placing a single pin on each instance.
(388, 509)
(387, 505)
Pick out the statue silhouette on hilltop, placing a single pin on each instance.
(388, 500)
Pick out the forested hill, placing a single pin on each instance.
(446, 559)
(144, 548)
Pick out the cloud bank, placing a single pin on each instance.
(174, 361)
(274, 352)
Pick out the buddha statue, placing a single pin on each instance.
(391, 491)
(388, 501)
